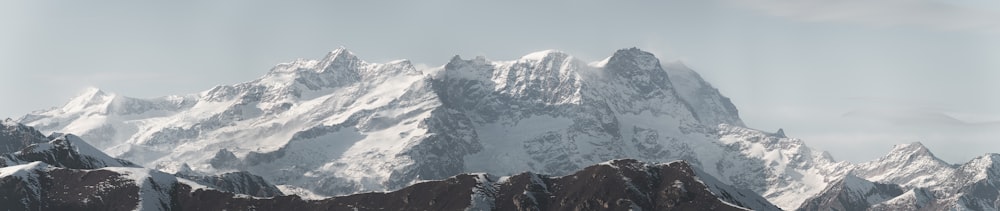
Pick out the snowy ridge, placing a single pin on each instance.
(45, 187)
(16, 136)
(64, 150)
(910, 165)
(913, 199)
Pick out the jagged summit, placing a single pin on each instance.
(912, 150)
(339, 59)
(634, 59)
(983, 167)
(91, 91)
(14, 136)
(910, 165)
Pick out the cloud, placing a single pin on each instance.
(911, 116)
(100, 77)
(909, 112)
(921, 13)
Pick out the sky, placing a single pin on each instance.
(852, 77)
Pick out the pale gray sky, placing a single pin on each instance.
(849, 76)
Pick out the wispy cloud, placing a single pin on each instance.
(105, 77)
(936, 15)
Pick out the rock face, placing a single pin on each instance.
(341, 125)
(615, 185)
(17, 136)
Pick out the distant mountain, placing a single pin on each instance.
(925, 182)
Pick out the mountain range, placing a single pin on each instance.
(66, 173)
(340, 125)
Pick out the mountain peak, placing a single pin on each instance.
(89, 97)
(634, 59)
(911, 152)
(633, 54)
(907, 164)
(92, 91)
(914, 148)
(338, 59)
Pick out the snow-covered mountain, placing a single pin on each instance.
(929, 183)
(341, 125)
(851, 193)
(910, 165)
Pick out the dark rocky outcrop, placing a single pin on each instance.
(16, 136)
(617, 185)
